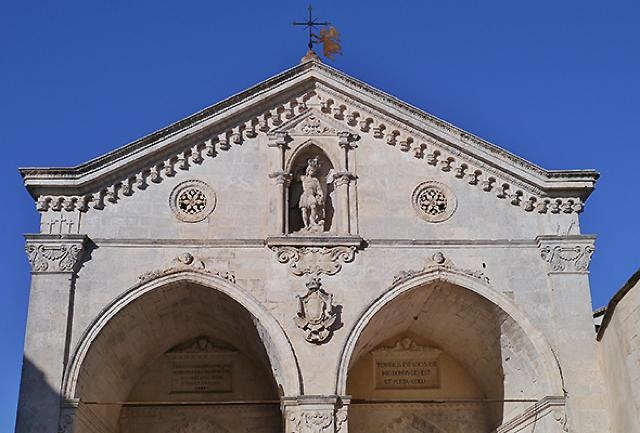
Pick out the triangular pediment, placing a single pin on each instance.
(307, 100)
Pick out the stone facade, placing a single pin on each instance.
(310, 255)
(619, 350)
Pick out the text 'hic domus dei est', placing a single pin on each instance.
(311, 255)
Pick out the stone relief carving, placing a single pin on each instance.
(407, 345)
(312, 125)
(315, 260)
(48, 257)
(313, 422)
(567, 259)
(186, 262)
(316, 313)
(312, 199)
(192, 201)
(434, 201)
(438, 262)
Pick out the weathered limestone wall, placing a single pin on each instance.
(619, 351)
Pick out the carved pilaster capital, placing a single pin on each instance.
(343, 178)
(567, 254)
(55, 253)
(281, 177)
(279, 139)
(315, 414)
(345, 138)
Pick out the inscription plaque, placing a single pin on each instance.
(406, 366)
(202, 368)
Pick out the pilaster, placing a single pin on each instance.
(567, 261)
(54, 259)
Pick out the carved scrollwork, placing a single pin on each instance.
(436, 263)
(186, 262)
(313, 422)
(315, 313)
(54, 257)
(315, 260)
(567, 259)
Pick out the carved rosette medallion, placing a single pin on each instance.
(55, 254)
(192, 201)
(315, 313)
(315, 260)
(433, 201)
(567, 258)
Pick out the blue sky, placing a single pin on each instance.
(555, 82)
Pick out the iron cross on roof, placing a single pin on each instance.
(328, 37)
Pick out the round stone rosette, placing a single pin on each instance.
(192, 201)
(433, 201)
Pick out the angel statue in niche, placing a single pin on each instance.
(311, 201)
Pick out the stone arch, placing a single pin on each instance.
(536, 343)
(281, 356)
(508, 360)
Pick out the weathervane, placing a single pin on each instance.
(328, 37)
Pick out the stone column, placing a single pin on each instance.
(54, 260)
(280, 197)
(282, 181)
(315, 414)
(341, 182)
(567, 260)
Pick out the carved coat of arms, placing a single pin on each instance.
(315, 312)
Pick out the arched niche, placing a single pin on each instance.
(298, 166)
(493, 363)
(181, 348)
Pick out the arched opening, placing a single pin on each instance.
(311, 187)
(179, 357)
(438, 357)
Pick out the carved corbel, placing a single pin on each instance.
(315, 414)
(315, 260)
(55, 253)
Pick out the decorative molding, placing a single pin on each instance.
(192, 201)
(408, 345)
(436, 263)
(434, 201)
(55, 253)
(315, 260)
(185, 262)
(567, 255)
(534, 414)
(316, 313)
(315, 414)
